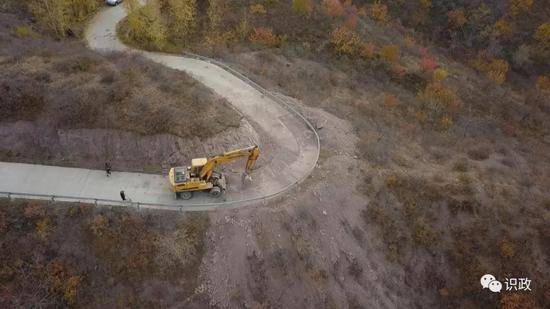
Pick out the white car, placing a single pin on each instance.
(113, 2)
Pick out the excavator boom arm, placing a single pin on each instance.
(252, 152)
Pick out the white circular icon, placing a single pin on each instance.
(495, 286)
(486, 279)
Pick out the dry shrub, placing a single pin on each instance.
(439, 97)
(44, 227)
(479, 153)
(457, 18)
(445, 123)
(21, 96)
(503, 28)
(543, 84)
(351, 21)
(71, 289)
(494, 69)
(507, 249)
(390, 53)
(517, 301)
(22, 31)
(257, 9)
(181, 247)
(379, 12)
(543, 34)
(98, 225)
(220, 39)
(344, 41)
(390, 101)
(440, 75)
(333, 8)
(423, 233)
(410, 42)
(3, 223)
(398, 70)
(34, 210)
(367, 50)
(56, 273)
(520, 6)
(242, 30)
(265, 36)
(302, 6)
(426, 4)
(428, 63)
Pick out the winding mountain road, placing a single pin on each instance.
(290, 145)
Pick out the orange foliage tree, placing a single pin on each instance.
(379, 12)
(428, 63)
(351, 21)
(494, 69)
(344, 41)
(265, 36)
(503, 28)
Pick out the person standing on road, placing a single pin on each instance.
(122, 195)
(108, 169)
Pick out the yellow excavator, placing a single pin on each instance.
(200, 176)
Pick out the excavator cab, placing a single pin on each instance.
(196, 166)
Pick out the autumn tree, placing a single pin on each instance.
(344, 41)
(145, 24)
(265, 36)
(367, 50)
(181, 16)
(379, 12)
(494, 69)
(390, 53)
(81, 9)
(503, 28)
(216, 10)
(497, 70)
(542, 35)
(52, 14)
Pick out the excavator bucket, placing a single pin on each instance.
(247, 180)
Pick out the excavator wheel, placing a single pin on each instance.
(184, 195)
(216, 191)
